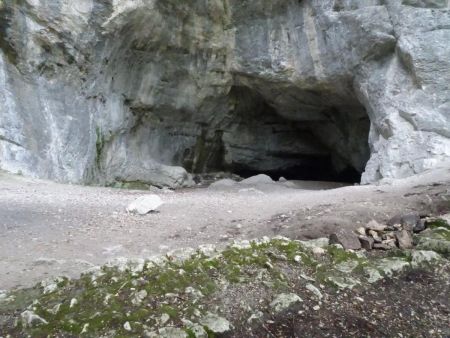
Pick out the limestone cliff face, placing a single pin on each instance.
(100, 91)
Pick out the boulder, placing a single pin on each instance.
(404, 239)
(258, 179)
(145, 204)
(375, 226)
(366, 242)
(346, 238)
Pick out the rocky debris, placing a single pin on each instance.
(366, 242)
(145, 204)
(398, 232)
(404, 239)
(346, 238)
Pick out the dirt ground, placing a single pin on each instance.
(49, 229)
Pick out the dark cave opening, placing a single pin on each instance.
(257, 138)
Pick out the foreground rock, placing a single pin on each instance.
(145, 204)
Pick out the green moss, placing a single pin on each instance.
(438, 223)
(340, 255)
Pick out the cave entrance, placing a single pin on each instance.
(322, 142)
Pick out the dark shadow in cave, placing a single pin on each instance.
(259, 140)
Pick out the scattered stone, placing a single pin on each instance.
(314, 290)
(216, 323)
(346, 238)
(30, 319)
(366, 242)
(284, 301)
(127, 326)
(375, 226)
(419, 227)
(404, 239)
(145, 204)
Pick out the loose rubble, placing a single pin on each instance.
(399, 233)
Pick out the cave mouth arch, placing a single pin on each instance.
(323, 142)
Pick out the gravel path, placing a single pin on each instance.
(49, 229)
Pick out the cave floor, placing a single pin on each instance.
(49, 229)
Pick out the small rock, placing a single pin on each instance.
(284, 301)
(361, 231)
(404, 239)
(145, 204)
(346, 238)
(366, 242)
(127, 326)
(314, 290)
(73, 302)
(375, 226)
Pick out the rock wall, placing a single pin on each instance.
(104, 91)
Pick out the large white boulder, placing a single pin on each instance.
(145, 204)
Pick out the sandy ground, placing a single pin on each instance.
(49, 229)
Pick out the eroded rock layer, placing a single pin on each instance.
(104, 91)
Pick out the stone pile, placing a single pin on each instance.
(396, 233)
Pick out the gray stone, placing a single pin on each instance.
(375, 226)
(145, 204)
(366, 242)
(346, 238)
(284, 301)
(258, 179)
(404, 239)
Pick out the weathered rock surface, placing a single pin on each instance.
(145, 91)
